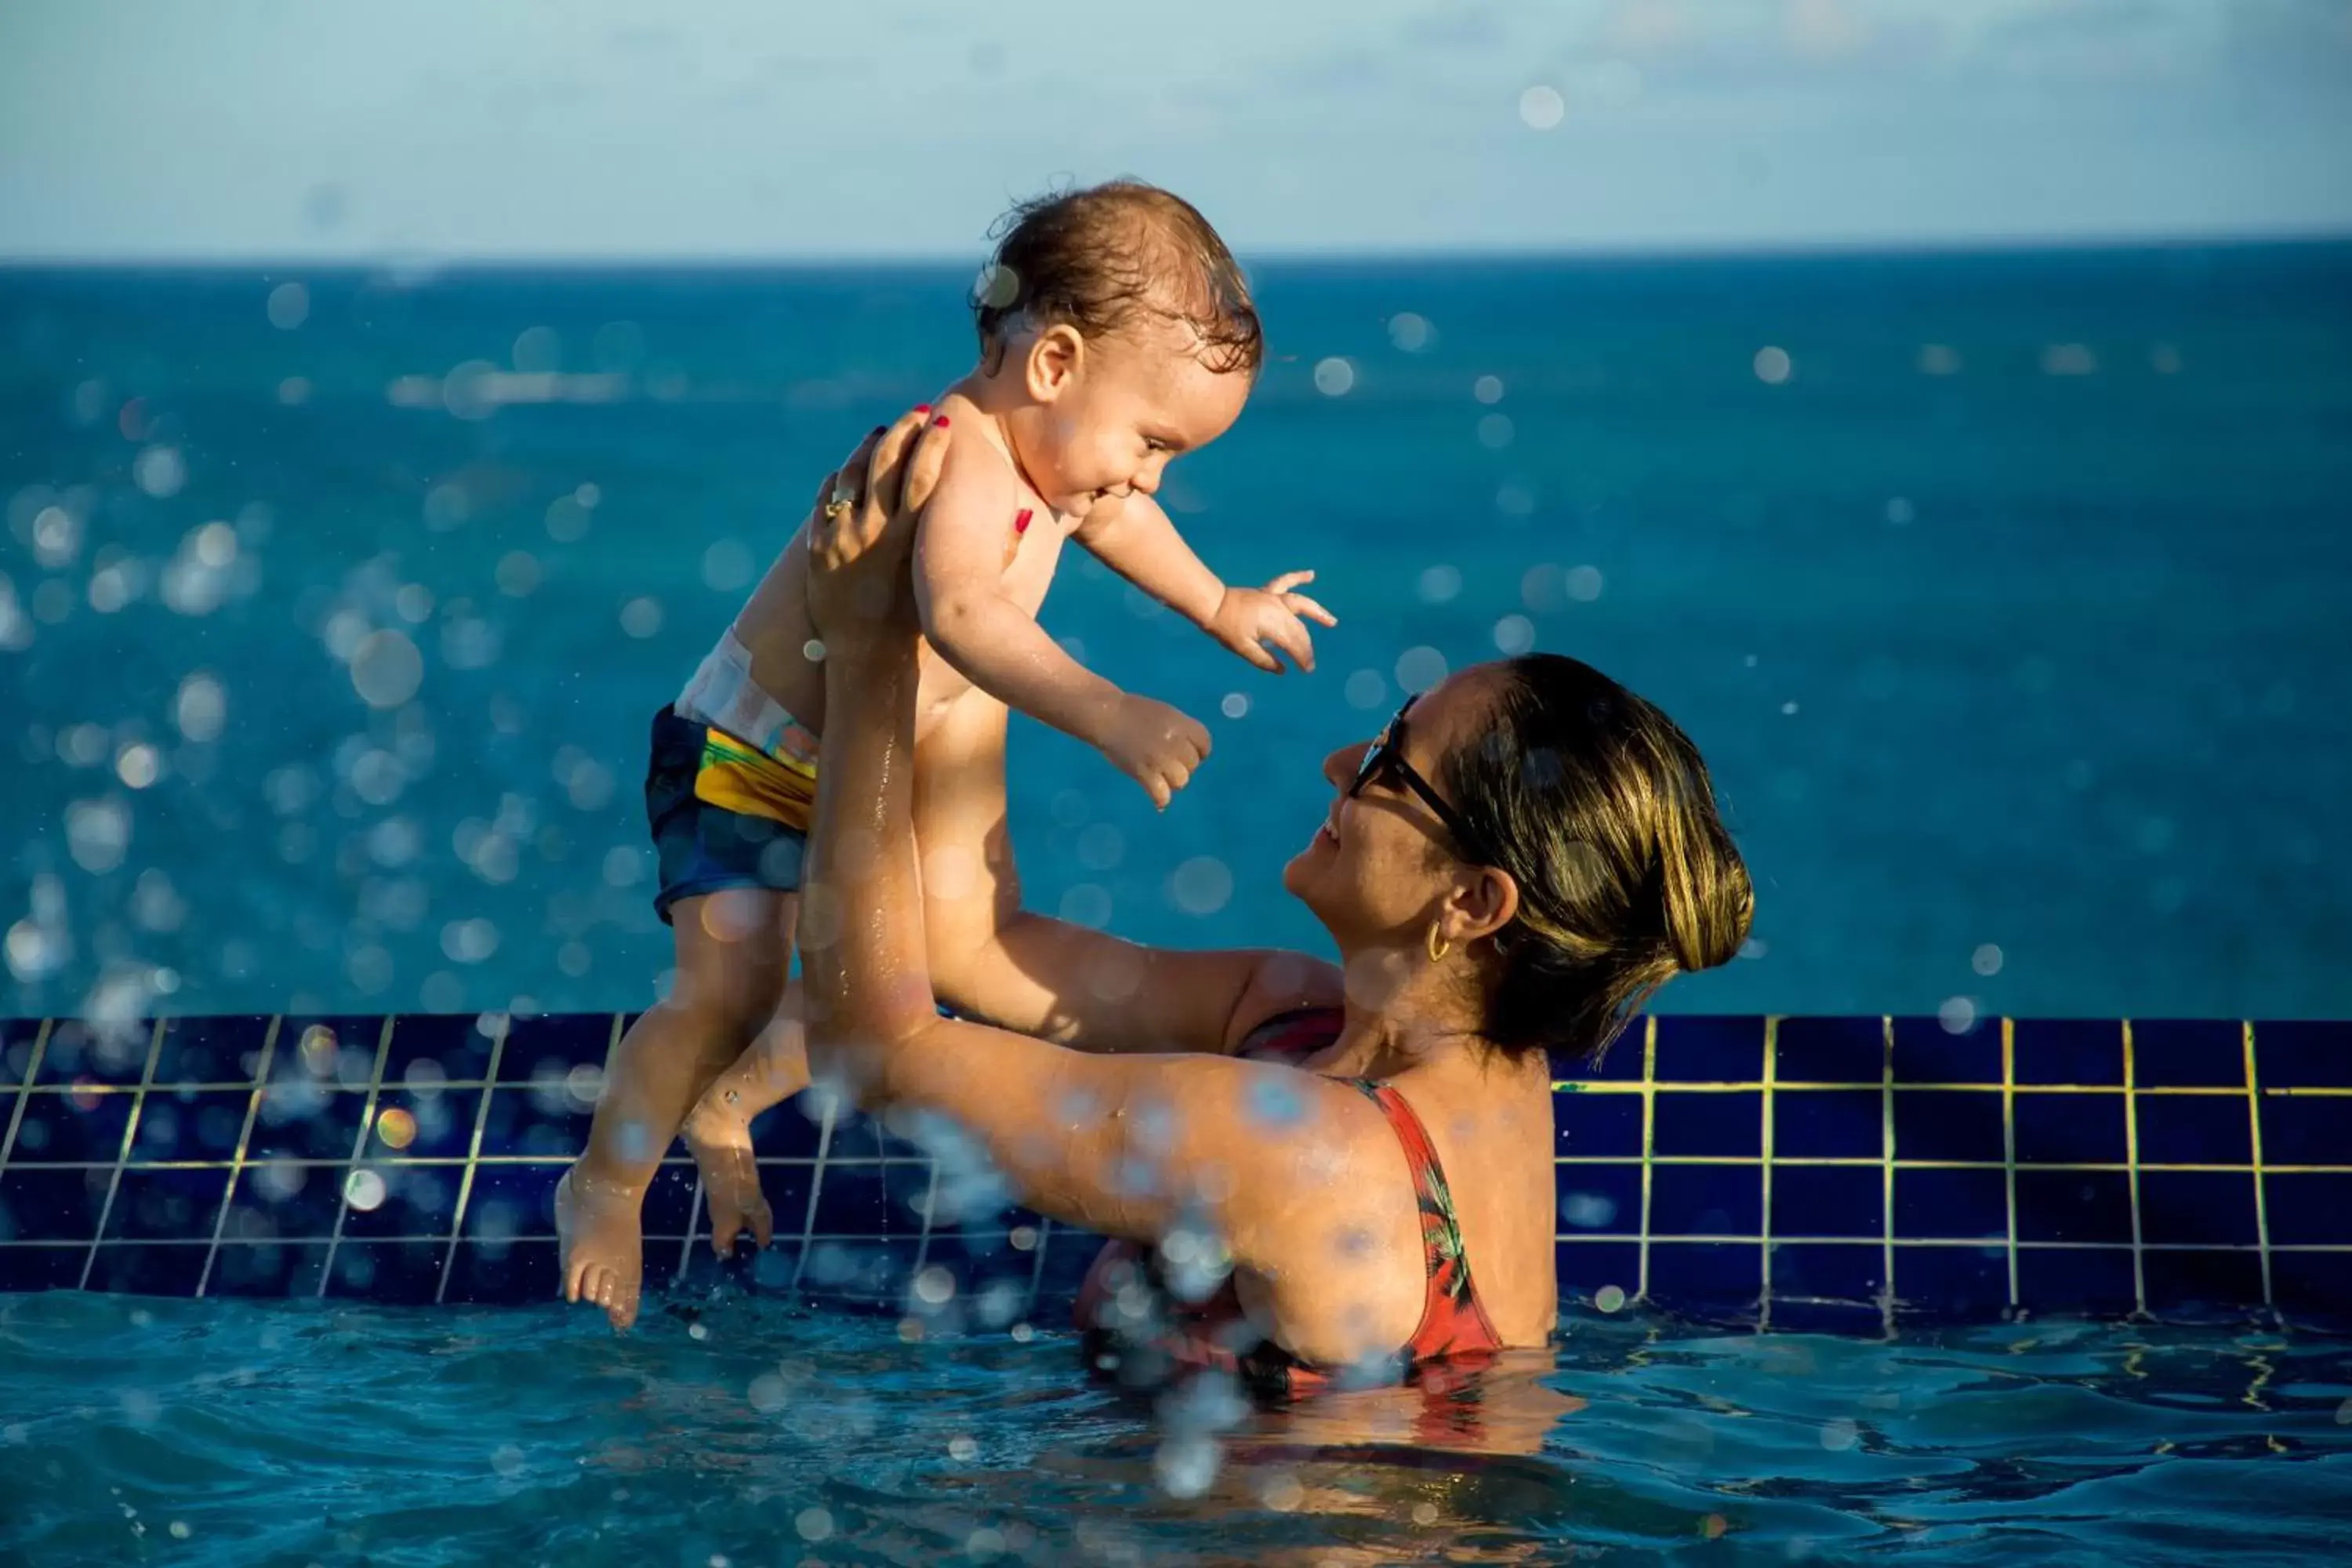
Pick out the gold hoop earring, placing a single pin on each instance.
(1438, 946)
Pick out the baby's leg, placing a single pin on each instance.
(718, 1129)
(733, 949)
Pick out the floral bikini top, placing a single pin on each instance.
(1139, 1330)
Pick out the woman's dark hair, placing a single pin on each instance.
(1605, 815)
(1098, 257)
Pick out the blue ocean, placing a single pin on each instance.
(2010, 596)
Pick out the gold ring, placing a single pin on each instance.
(839, 507)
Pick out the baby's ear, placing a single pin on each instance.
(1053, 361)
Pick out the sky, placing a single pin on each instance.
(602, 129)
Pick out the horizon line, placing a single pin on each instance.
(1630, 251)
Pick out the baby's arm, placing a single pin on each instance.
(996, 644)
(1134, 538)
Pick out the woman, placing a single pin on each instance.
(1310, 1170)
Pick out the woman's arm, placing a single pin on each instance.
(1127, 1145)
(990, 959)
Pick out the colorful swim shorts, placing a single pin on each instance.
(724, 813)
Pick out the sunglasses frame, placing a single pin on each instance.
(1384, 760)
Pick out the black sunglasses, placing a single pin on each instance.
(1383, 760)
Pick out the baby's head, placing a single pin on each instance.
(1119, 323)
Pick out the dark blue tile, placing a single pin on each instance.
(2305, 1208)
(418, 1200)
(2306, 1130)
(1068, 1253)
(1926, 1052)
(1622, 1063)
(1697, 1049)
(166, 1205)
(543, 1123)
(1949, 1124)
(2310, 1287)
(512, 1201)
(50, 1205)
(2304, 1055)
(1707, 1124)
(1595, 1122)
(505, 1273)
(306, 1121)
(2067, 1280)
(77, 1054)
(554, 1043)
(149, 1268)
(1848, 1319)
(1835, 1271)
(1685, 1275)
(1600, 1199)
(2193, 1130)
(72, 1127)
(1829, 1124)
(873, 1273)
(851, 1200)
(670, 1209)
(1828, 1200)
(1831, 1051)
(41, 1267)
(190, 1124)
(2215, 1208)
(401, 1273)
(413, 1126)
(2069, 1050)
(1952, 1284)
(2182, 1284)
(788, 1131)
(2189, 1054)
(283, 1201)
(213, 1050)
(267, 1268)
(2074, 1205)
(17, 1038)
(337, 1052)
(1706, 1200)
(786, 1185)
(1958, 1203)
(1585, 1268)
(2070, 1129)
(433, 1048)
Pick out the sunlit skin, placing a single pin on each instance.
(1147, 1121)
(1064, 437)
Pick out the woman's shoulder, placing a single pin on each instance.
(1291, 1004)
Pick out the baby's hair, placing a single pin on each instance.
(1098, 257)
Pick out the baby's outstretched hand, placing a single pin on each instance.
(1247, 619)
(1156, 744)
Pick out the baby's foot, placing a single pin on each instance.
(719, 1135)
(601, 1228)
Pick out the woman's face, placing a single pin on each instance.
(1382, 859)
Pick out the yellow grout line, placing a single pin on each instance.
(2009, 1149)
(2254, 1149)
(358, 1147)
(1886, 1167)
(122, 1153)
(473, 1158)
(1649, 1150)
(1764, 1220)
(2131, 1159)
(259, 1087)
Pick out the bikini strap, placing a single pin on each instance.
(1451, 1293)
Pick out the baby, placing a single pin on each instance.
(1116, 333)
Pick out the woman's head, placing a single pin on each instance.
(1123, 323)
(1547, 828)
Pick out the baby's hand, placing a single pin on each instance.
(1249, 619)
(1156, 744)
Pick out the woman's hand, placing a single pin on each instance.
(863, 531)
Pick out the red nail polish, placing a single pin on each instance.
(922, 408)
(941, 422)
(1021, 523)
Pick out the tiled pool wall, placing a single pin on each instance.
(1838, 1174)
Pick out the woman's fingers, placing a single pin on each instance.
(886, 468)
(924, 465)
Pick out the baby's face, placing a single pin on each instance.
(1139, 399)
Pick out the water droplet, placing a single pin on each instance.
(1487, 389)
(1542, 107)
(641, 618)
(1234, 705)
(1419, 668)
(364, 1190)
(289, 306)
(1202, 886)
(813, 1523)
(1515, 634)
(1985, 960)
(1409, 332)
(386, 668)
(1439, 585)
(1334, 377)
(1609, 1299)
(1773, 365)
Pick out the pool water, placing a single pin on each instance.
(734, 1432)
